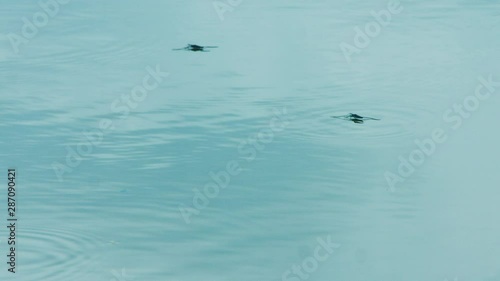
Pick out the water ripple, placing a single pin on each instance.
(57, 254)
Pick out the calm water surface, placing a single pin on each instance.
(115, 213)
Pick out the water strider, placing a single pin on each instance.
(196, 48)
(354, 118)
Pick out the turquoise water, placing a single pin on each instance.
(116, 159)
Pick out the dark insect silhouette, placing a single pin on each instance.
(354, 118)
(195, 48)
